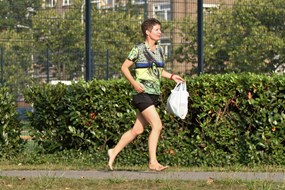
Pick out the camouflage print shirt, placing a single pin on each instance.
(148, 67)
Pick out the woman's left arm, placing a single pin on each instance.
(170, 76)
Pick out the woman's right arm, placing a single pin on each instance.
(125, 68)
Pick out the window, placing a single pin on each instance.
(67, 2)
(96, 3)
(208, 8)
(162, 11)
(138, 2)
(109, 2)
(50, 3)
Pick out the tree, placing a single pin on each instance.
(14, 12)
(17, 59)
(116, 32)
(249, 36)
(16, 41)
(63, 38)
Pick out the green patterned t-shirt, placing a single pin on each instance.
(148, 67)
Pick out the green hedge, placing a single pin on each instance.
(238, 118)
(10, 129)
(233, 119)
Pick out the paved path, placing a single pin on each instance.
(165, 175)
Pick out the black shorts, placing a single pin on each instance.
(142, 101)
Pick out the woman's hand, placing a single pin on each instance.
(139, 88)
(170, 76)
(177, 78)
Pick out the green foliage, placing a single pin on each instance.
(239, 118)
(15, 12)
(16, 59)
(233, 119)
(117, 32)
(245, 37)
(64, 39)
(47, 119)
(9, 125)
(112, 31)
(81, 116)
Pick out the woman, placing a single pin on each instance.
(148, 59)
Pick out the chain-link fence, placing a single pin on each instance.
(45, 41)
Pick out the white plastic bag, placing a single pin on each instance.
(177, 102)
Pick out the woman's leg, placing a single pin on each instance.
(151, 116)
(126, 138)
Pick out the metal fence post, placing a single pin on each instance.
(47, 64)
(2, 65)
(107, 64)
(92, 64)
(200, 36)
(145, 10)
(88, 39)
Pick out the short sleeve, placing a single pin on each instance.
(134, 54)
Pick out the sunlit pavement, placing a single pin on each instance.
(147, 175)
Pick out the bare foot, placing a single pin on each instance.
(157, 167)
(111, 158)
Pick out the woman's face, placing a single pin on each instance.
(155, 33)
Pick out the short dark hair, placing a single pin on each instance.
(148, 25)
